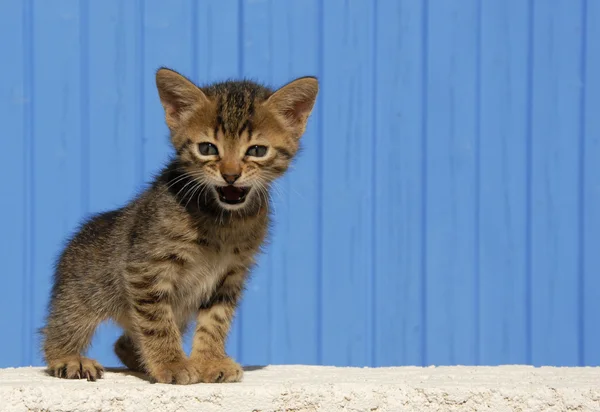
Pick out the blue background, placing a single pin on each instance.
(446, 209)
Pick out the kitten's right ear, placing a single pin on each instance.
(179, 96)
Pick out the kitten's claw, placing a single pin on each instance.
(90, 377)
(76, 367)
(220, 377)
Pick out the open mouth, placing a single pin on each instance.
(232, 195)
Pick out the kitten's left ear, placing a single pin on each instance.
(294, 102)
(178, 95)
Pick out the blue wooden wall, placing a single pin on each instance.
(446, 209)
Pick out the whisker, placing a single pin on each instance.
(194, 177)
(298, 193)
(176, 180)
(201, 186)
(195, 189)
(263, 192)
(193, 181)
(278, 190)
(259, 193)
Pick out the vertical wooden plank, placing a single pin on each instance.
(111, 127)
(398, 185)
(347, 182)
(451, 183)
(217, 42)
(590, 153)
(503, 169)
(295, 270)
(256, 307)
(28, 166)
(14, 150)
(556, 85)
(167, 41)
(58, 197)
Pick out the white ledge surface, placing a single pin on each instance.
(316, 388)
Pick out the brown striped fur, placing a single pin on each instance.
(178, 253)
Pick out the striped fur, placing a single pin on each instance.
(177, 253)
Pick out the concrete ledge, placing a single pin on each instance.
(312, 388)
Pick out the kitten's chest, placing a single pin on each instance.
(204, 271)
(211, 259)
(216, 251)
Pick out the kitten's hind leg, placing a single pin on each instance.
(67, 335)
(126, 352)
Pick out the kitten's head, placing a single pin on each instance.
(235, 137)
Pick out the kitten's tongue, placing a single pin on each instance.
(232, 192)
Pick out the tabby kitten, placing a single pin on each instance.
(183, 247)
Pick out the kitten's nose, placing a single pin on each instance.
(230, 178)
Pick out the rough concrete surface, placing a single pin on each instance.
(316, 388)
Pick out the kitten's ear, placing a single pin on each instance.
(178, 95)
(294, 102)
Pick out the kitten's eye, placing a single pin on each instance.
(208, 149)
(256, 151)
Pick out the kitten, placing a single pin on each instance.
(182, 249)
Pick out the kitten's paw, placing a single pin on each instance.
(76, 367)
(194, 371)
(219, 370)
(179, 373)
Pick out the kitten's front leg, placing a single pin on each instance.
(212, 328)
(156, 332)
